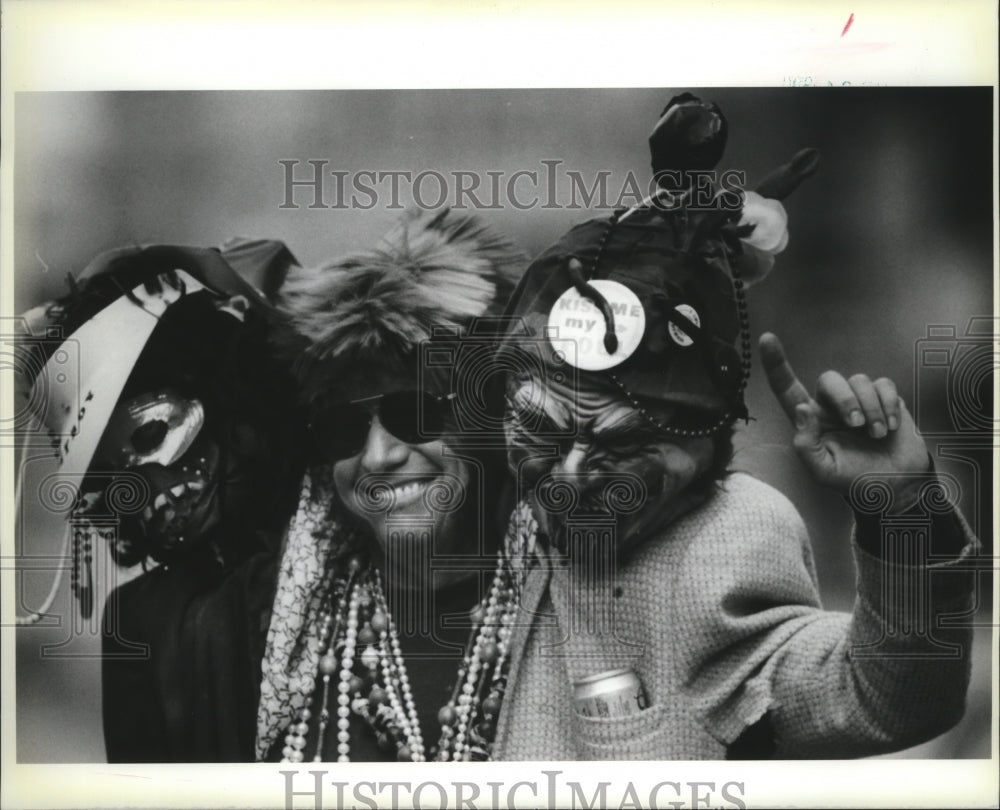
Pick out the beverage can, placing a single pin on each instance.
(616, 693)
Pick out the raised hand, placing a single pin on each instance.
(851, 427)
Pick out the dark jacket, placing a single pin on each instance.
(190, 693)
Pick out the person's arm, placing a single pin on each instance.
(771, 674)
(783, 678)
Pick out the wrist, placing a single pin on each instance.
(908, 488)
(921, 500)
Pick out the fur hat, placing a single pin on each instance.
(370, 311)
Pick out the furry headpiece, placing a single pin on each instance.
(371, 310)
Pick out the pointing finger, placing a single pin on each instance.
(785, 385)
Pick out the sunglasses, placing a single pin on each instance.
(413, 417)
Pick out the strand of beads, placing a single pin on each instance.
(448, 716)
(295, 740)
(298, 741)
(377, 709)
(346, 674)
(466, 742)
(394, 668)
(468, 721)
(470, 670)
(483, 732)
(481, 729)
(389, 707)
(371, 702)
(492, 703)
(82, 580)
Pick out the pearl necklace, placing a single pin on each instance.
(374, 684)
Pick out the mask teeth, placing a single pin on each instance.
(167, 505)
(166, 502)
(196, 476)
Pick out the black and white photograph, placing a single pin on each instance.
(361, 440)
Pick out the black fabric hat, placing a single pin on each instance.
(688, 267)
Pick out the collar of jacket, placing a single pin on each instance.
(536, 585)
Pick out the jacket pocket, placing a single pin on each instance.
(636, 736)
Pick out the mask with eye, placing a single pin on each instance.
(169, 420)
(156, 434)
(190, 432)
(197, 482)
(645, 313)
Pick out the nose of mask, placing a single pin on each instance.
(594, 494)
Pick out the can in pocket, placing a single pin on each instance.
(616, 693)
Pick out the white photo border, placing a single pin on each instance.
(99, 45)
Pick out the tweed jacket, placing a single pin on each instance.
(719, 616)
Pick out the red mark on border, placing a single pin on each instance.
(848, 26)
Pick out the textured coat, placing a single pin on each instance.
(720, 619)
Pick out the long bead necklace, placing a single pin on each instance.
(374, 684)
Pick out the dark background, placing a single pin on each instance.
(893, 235)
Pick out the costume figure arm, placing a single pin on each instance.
(134, 725)
(144, 612)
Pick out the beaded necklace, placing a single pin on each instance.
(374, 684)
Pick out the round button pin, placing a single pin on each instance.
(679, 336)
(579, 326)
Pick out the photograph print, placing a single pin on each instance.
(503, 425)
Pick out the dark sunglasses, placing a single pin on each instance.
(413, 417)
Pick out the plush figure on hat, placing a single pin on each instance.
(687, 620)
(180, 437)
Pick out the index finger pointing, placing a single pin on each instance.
(785, 385)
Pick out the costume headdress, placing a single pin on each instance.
(78, 354)
(652, 298)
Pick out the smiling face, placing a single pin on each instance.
(418, 491)
(585, 453)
